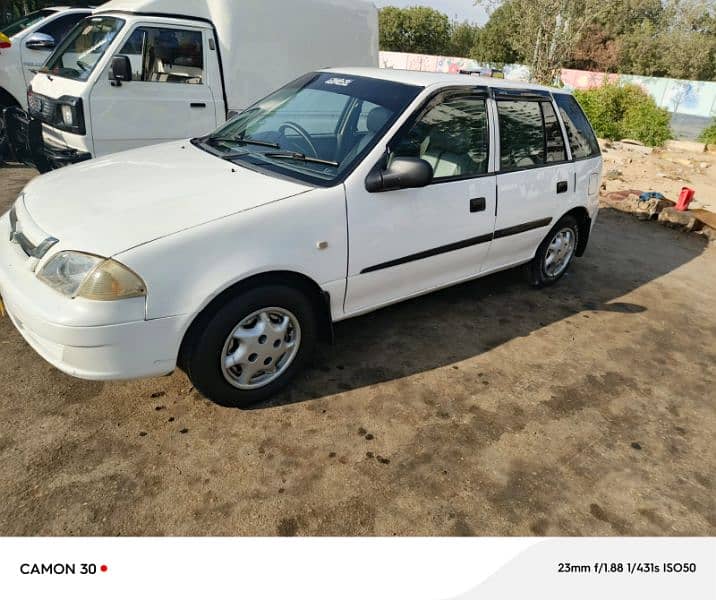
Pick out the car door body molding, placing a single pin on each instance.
(481, 239)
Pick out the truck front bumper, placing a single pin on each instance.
(27, 144)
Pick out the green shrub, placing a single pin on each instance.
(708, 135)
(617, 112)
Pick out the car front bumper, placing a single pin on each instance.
(90, 340)
(27, 143)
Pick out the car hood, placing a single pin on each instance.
(109, 205)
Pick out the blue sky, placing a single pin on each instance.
(463, 9)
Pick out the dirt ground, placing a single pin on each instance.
(486, 409)
(664, 170)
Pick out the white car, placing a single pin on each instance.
(25, 45)
(345, 191)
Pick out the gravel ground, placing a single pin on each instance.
(485, 409)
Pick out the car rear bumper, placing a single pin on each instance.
(27, 144)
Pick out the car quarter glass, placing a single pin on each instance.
(582, 140)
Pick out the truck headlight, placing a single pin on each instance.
(68, 115)
(80, 275)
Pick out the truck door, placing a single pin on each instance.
(171, 95)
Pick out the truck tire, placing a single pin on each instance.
(251, 346)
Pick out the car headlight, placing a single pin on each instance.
(80, 275)
(68, 115)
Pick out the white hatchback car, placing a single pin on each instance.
(345, 191)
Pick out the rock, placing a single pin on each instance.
(650, 209)
(613, 174)
(711, 148)
(704, 165)
(709, 233)
(681, 220)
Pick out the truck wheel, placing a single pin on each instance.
(251, 346)
(555, 253)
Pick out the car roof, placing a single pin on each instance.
(428, 79)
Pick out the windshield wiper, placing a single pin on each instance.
(302, 157)
(243, 142)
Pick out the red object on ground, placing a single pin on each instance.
(687, 195)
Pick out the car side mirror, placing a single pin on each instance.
(402, 173)
(40, 41)
(120, 70)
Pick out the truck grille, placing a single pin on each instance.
(42, 107)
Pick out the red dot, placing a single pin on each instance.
(103, 568)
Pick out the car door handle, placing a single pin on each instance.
(198, 105)
(477, 205)
(562, 187)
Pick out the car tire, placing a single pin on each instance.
(252, 330)
(4, 146)
(555, 253)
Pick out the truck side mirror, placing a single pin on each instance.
(120, 70)
(40, 41)
(402, 173)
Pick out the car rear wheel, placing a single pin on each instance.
(555, 253)
(252, 346)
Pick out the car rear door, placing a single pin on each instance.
(406, 242)
(171, 94)
(534, 174)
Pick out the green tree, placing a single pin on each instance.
(493, 43)
(417, 29)
(463, 37)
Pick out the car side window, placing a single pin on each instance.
(582, 140)
(166, 55)
(530, 134)
(61, 26)
(453, 136)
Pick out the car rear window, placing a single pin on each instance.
(581, 136)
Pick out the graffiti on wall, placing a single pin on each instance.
(695, 98)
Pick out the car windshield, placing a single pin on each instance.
(82, 49)
(314, 129)
(23, 23)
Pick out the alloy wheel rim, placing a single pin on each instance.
(260, 348)
(559, 252)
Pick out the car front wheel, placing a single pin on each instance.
(252, 346)
(555, 253)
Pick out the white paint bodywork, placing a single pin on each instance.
(17, 62)
(192, 225)
(258, 46)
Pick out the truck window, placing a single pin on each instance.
(61, 26)
(452, 136)
(162, 55)
(582, 140)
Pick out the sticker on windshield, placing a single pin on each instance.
(339, 81)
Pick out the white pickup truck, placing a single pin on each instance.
(25, 45)
(142, 72)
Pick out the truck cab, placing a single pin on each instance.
(137, 73)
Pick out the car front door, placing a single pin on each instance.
(534, 176)
(406, 242)
(170, 96)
